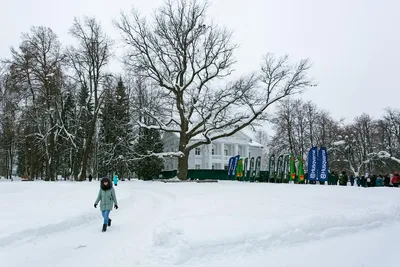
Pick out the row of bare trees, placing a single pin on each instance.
(178, 68)
(365, 145)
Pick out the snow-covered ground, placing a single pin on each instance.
(189, 224)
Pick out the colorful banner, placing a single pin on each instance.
(233, 162)
(301, 170)
(246, 167)
(322, 166)
(292, 168)
(312, 164)
(239, 172)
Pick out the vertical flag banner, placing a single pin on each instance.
(282, 168)
(246, 166)
(240, 168)
(271, 166)
(301, 169)
(233, 162)
(279, 168)
(292, 168)
(322, 164)
(312, 164)
(251, 167)
(230, 166)
(258, 167)
(236, 162)
(286, 166)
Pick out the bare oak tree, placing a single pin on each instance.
(88, 61)
(189, 58)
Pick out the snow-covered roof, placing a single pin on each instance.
(243, 136)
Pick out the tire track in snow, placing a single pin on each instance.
(28, 235)
(171, 244)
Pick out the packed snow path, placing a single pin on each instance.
(190, 224)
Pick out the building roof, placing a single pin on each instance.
(244, 134)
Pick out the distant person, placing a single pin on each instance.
(107, 199)
(352, 179)
(386, 180)
(331, 177)
(358, 181)
(115, 179)
(363, 181)
(90, 177)
(343, 179)
(396, 179)
(334, 178)
(379, 181)
(373, 180)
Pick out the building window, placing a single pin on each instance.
(226, 152)
(226, 167)
(197, 167)
(213, 151)
(213, 166)
(197, 151)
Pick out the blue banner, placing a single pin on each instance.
(232, 165)
(312, 164)
(235, 163)
(322, 165)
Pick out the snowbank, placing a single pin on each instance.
(191, 224)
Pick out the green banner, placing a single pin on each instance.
(239, 172)
(292, 168)
(301, 170)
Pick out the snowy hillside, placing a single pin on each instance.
(188, 224)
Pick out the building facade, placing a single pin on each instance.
(215, 155)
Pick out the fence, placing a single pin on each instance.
(223, 175)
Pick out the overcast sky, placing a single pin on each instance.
(354, 44)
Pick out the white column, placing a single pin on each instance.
(246, 151)
(246, 155)
(235, 150)
(222, 148)
(210, 159)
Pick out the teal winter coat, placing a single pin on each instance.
(108, 199)
(115, 179)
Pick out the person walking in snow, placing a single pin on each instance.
(115, 179)
(396, 179)
(107, 199)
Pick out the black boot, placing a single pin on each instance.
(109, 222)
(104, 227)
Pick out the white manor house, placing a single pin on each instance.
(215, 155)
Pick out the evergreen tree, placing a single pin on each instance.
(115, 132)
(122, 130)
(146, 166)
(106, 138)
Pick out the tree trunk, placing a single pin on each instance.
(183, 162)
(86, 152)
(183, 166)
